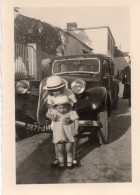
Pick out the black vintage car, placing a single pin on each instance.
(91, 78)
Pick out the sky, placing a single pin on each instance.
(117, 18)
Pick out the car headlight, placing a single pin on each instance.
(22, 87)
(78, 86)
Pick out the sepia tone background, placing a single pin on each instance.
(8, 125)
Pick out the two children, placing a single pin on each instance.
(56, 92)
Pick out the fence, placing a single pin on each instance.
(21, 61)
(31, 62)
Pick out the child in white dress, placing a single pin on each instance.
(56, 87)
(63, 134)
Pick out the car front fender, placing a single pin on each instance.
(97, 97)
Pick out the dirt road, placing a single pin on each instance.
(99, 164)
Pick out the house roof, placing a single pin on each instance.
(89, 28)
(93, 55)
(75, 37)
(120, 63)
(119, 53)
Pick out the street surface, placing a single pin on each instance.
(99, 164)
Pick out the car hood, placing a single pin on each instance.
(90, 80)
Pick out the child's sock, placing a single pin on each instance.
(61, 161)
(55, 161)
(69, 161)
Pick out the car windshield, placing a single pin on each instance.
(88, 65)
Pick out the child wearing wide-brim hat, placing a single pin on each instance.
(54, 83)
(56, 87)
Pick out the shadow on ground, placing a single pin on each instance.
(35, 169)
(119, 125)
(120, 121)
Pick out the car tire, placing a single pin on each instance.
(104, 127)
(115, 102)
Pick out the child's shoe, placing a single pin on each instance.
(76, 163)
(55, 164)
(61, 166)
(69, 165)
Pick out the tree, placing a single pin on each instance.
(29, 30)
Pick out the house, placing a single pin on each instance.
(101, 40)
(121, 60)
(72, 45)
(98, 38)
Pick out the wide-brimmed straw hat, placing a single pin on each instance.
(61, 100)
(54, 82)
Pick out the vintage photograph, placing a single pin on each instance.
(72, 95)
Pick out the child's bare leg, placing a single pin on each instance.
(56, 151)
(55, 162)
(60, 154)
(69, 147)
(75, 142)
(74, 148)
(75, 162)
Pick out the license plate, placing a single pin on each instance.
(38, 128)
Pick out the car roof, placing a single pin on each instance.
(83, 55)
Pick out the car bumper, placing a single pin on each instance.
(47, 127)
(89, 123)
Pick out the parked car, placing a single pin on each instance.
(26, 101)
(91, 78)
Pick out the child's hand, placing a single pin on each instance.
(55, 118)
(67, 121)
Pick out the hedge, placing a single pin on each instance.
(29, 30)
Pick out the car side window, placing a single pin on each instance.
(111, 68)
(106, 67)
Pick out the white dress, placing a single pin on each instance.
(61, 131)
(67, 92)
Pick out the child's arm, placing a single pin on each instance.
(75, 107)
(72, 98)
(74, 117)
(76, 126)
(53, 117)
(68, 121)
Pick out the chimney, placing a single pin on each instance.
(71, 26)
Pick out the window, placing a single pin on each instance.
(79, 65)
(110, 45)
(106, 67)
(111, 68)
(66, 38)
(108, 42)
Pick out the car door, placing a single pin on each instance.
(106, 73)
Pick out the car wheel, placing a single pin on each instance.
(115, 104)
(104, 128)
